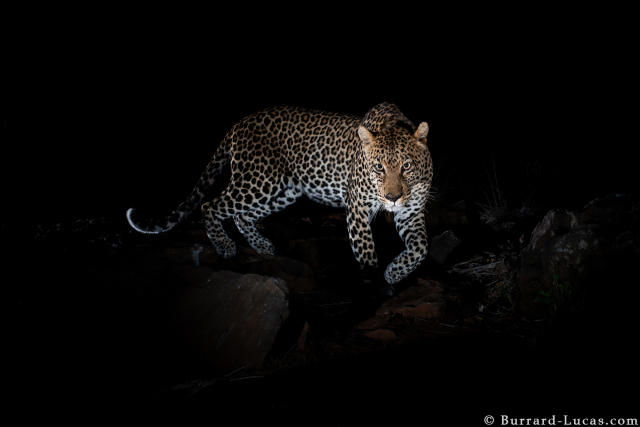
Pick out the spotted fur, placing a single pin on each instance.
(379, 161)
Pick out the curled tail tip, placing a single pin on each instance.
(130, 221)
(129, 211)
(136, 227)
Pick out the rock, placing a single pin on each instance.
(442, 245)
(384, 335)
(424, 300)
(613, 212)
(372, 323)
(297, 275)
(569, 251)
(555, 223)
(557, 258)
(230, 320)
(425, 310)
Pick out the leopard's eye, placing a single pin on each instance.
(406, 166)
(379, 167)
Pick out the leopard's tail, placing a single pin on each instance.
(192, 202)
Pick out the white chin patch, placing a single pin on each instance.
(393, 208)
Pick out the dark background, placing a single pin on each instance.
(108, 109)
(116, 110)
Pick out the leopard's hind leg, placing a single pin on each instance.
(246, 212)
(223, 244)
(247, 221)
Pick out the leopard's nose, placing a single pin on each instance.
(393, 196)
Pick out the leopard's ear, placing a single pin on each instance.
(421, 134)
(365, 136)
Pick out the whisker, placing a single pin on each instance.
(375, 211)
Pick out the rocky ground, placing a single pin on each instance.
(504, 307)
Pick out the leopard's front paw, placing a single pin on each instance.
(227, 249)
(265, 248)
(393, 274)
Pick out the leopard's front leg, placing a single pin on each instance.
(361, 236)
(411, 226)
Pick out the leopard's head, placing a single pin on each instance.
(399, 164)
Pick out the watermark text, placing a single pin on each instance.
(558, 420)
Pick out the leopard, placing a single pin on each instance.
(363, 164)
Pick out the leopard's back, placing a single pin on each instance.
(309, 149)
